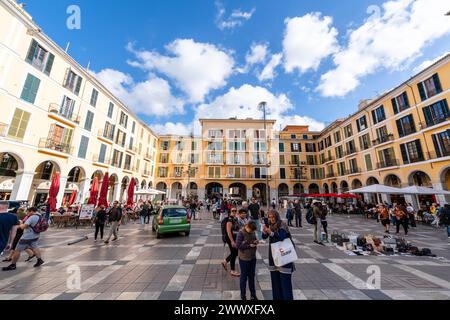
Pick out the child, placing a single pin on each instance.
(246, 243)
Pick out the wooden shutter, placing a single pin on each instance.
(401, 132)
(49, 65)
(34, 88)
(26, 92)
(413, 125)
(404, 153)
(78, 85)
(83, 147)
(394, 105)
(437, 83)
(31, 51)
(101, 157)
(66, 78)
(423, 96)
(405, 98)
(419, 149)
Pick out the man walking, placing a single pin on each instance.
(298, 214)
(317, 213)
(115, 215)
(29, 240)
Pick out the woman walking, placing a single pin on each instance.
(100, 219)
(384, 217)
(231, 231)
(402, 218)
(281, 277)
(246, 244)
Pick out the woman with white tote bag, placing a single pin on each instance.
(280, 238)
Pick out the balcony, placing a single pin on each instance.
(350, 152)
(383, 139)
(105, 162)
(132, 150)
(146, 173)
(354, 171)
(438, 154)
(331, 175)
(105, 136)
(58, 147)
(67, 117)
(329, 159)
(128, 167)
(3, 129)
(434, 121)
(148, 157)
(388, 164)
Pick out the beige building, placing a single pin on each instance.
(57, 117)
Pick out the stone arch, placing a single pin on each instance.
(176, 191)
(260, 192)
(371, 181)
(392, 180)
(419, 178)
(283, 190)
(238, 189)
(299, 189)
(326, 188)
(313, 188)
(10, 163)
(76, 175)
(143, 184)
(356, 184)
(334, 187)
(214, 190)
(444, 176)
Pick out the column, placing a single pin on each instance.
(84, 190)
(62, 189)
(22, 186)
(116, 194)
(440, 198)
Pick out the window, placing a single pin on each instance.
(341, 168)
(121, 138)
(281, 147)
(89, 121)
(353, 164)
(94, 98)
(194, 158)
(295, 159)
(127, 162)
(19, 124)
(260, 173)
(282, 173)
(293, 136)
(378, 115)
(108, 132)
(165, 145)
(305, 137)
(179, 158)
(351, 148)
(361, 124)
(337, 137)
(101, 156)
(164, 158)
(259, 158)
(311, 160)
(387, 158)
(72, 81)
(236, 158)
(194, 145)
(83, 147)
(430, 87)
(400, 103)
(236, 146)
(138, 165)
(162, 172)
(237, 172)
(296, 147)
(133, 127)
(260, 134)
(110, 110)
(436, 113)
(40, 58)
(315, 175)
(368, 160)
(215, 146)
(130, 146)
(348, 131)
(236, 134)
(215, 158)
(123, 119)
(406, 126)
(179, 145)
(441, 143)
(117, 159)
(177, 172)
(339, 152)
(310, 147)
(260, 146)
(30, 88)
(282, 160)
(67, 107)
(215, 134)
(412, 152)
(364, 142)
(298, 174)
(214, 172)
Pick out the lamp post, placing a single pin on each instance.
(263, 107)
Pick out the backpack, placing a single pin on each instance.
(310, 216)
(41, 225)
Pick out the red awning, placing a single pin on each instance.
(130, 198)
(53, 192)
(72, 198)
(326, 195)
(103, 199)
(94, 192)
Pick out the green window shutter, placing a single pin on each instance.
(83, 147)
(101, 157)
(78, 85)
(30, 88)
(35, 88)
(31, 51)
(49, 65)
(89, 121)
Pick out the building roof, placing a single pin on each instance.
(236, 119)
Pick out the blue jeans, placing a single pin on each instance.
(142, 219)
(281, 286)
(258, 229)
(248, 271)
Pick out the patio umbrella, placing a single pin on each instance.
(94, 192)
(130, 198)
(103, 199)
(424, 190)
(378, 188)
(53, 192)
(72, 198)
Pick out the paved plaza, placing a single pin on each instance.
(139, 266)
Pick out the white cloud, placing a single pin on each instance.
(243, 103)
(428, 63)
(173, 128)
(390, 41)
(268, 72)
(197, 68)
(257, 54)
(307, 41)
(152, 97)
(236, 19)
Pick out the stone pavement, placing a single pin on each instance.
(139, 266)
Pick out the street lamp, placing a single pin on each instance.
(263, 107)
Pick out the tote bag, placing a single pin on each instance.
(283, 252)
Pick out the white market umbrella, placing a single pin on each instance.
(378, 188)
(424, 190)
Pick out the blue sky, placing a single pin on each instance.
(173, 62)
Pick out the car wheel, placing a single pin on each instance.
(187, 234)
(158, 235)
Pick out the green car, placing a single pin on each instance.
(171, 219)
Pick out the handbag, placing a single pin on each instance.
(283, 252)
